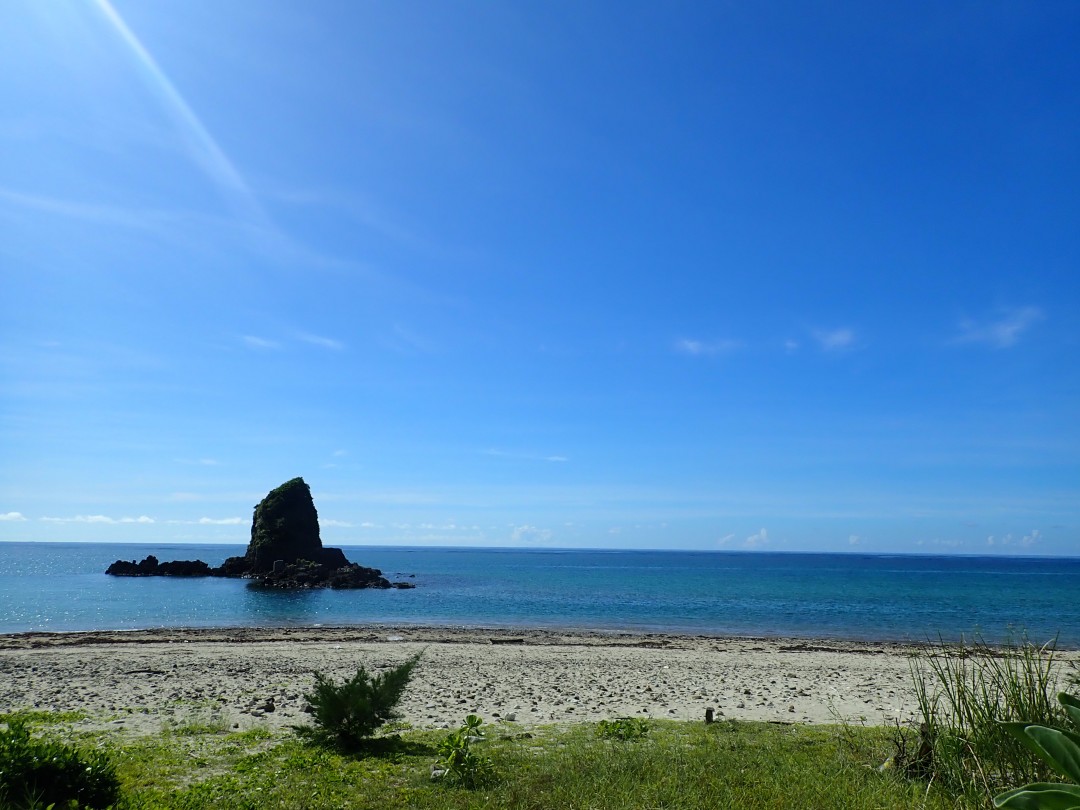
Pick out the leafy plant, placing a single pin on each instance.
(623, 728)
(458, 762)
(36, 772)
(346, 715)
(967, 695)
(1060, 749)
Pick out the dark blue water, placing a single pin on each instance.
(61, 587)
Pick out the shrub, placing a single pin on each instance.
(41, 772)
(346, 715)
(1060, 749)
(623, 728)
(458, 761)
(966, 694)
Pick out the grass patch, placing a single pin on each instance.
(36, 718)
(195, 728)
(677, 765)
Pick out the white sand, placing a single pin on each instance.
(145, 681)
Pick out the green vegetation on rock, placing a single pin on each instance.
(285, 527)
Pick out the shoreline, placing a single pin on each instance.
(451, 634)
(378, 631)
(148, 681)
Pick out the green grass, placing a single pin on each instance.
(676, 765)
(43, 719)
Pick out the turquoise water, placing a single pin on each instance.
(61, 587)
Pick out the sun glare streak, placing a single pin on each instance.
(201, 145)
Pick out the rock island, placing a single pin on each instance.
(285, 551)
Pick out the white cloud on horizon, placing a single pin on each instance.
(340, 524)
(232, 521)
(1002, 333)
(1027, 540)
(12, 516)
(529, 534)
(755, 540)
(143, 519)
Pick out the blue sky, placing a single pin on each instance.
(787, 276)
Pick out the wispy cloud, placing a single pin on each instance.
(1001, 332)
(363, 210)
(261, 344)
(11, 516)
(320, 341)
(92, 212)
(341, 524)
(230, 521)
(554, 459)
(201, 146)
(407, 341)
(834, 340)
(698, 348)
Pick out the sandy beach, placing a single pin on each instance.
(146, 681)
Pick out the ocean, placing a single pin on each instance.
(62, 587)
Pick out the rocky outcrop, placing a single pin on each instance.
(285, 551)
(306, 574)
(150, 567)
(285, 527)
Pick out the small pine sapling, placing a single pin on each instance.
(346, 715)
